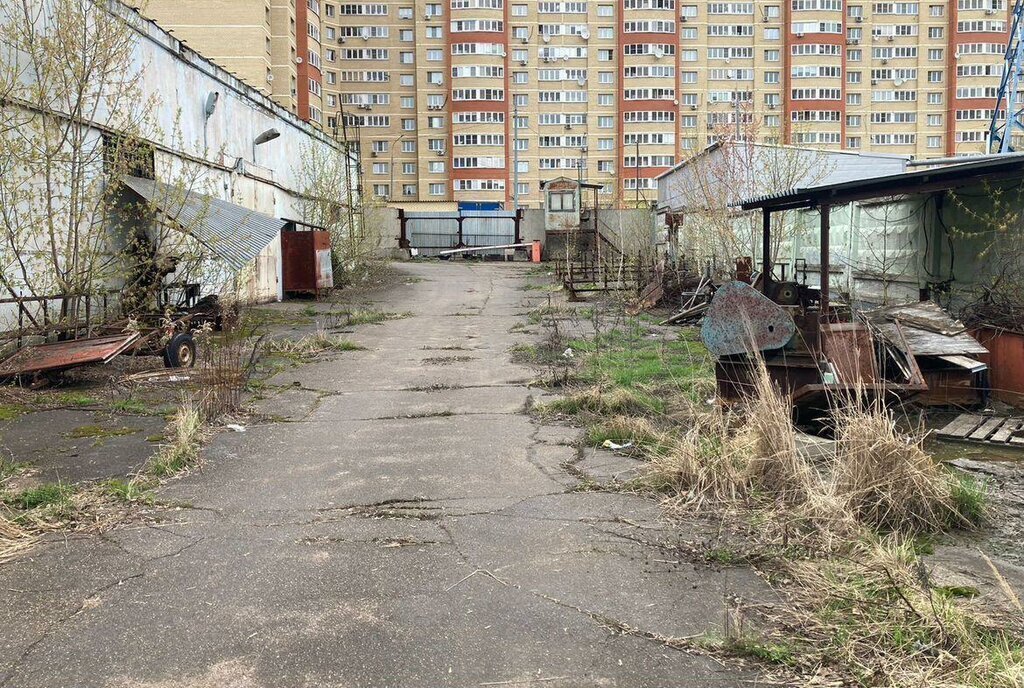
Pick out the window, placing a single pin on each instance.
(434, 32)
(408, 102)
(435, 55)
(405, 35)
(407, 80)
(853, 120)
(408, 146)
(771, 77)
(935, 76)
(518, 10)
(935, 98)
(606, 77)
(605, 99)
(605, 122)
(408, 168)
(935, 54)
(606, 32)
(408, 124)
(772, 34)
(935, 10)
(406, 57)
(853, 99)
(605, 11)
(520, 77)
(562, 201)
(381, 190)
(605, 55)
(436, 189)
(771, 55)
(934, 32)
(523, 188)
(405, 13)
(853, 77)
(935, 142)
(853, 142)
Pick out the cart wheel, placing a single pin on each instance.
(180, 351)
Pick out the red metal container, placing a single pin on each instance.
(1006, 363)
(306, 258)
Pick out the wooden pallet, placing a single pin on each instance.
(971, 427)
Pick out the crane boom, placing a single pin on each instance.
(1001, 133)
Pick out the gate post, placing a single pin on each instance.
(459, 220)
(517, 238)
(403, 238)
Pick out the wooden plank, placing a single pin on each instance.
(961, 426)
(1002, 435)
(986, 429)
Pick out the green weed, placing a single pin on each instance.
(88, 431)
(130, 406)
(45, 495)
(11, 411)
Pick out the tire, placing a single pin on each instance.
(180, 351)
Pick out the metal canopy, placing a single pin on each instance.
(921, 181)
(234, 233)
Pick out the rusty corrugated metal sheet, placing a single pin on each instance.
(1006, 363)
(63, 355)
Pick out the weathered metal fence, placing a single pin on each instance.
(431, 233)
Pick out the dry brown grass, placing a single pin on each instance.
(874, 617)
(695, 468)
(884, 476)
(766, 441)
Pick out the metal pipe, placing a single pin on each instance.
(766, 251)
(925, 162)
(826, 211)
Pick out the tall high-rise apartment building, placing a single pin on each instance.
(274, 45)
(482, 100)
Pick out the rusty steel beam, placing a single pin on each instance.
(766, 252)
(826, 211)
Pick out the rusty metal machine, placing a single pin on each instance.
(813, 359)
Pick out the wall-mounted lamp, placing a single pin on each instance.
(268, 135)
(211, 105)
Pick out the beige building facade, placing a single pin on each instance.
(482, 100)
(256, 40)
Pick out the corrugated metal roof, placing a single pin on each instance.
(952, 176)
(234, 233)
(711, 176)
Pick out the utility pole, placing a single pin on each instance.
(638, 171)
(736, 99)
(515, 157)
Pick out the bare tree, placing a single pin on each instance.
(329, 201)
(75, 121)
(743, 166)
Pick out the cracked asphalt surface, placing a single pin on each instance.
(410, 526)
